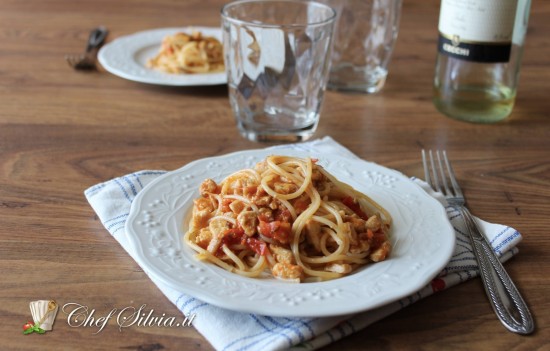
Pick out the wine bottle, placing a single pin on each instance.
(479, 56)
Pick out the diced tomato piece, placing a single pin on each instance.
(354, 206)
(264, 228)
(263, 217)
(250, 190)
(277, 230)
(258, 246)
(283, 215)
(378, 239)
(232, 236)
(375, 239)
(370, 235)
(236, 236)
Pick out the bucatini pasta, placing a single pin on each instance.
(289, 217)
(189, 53)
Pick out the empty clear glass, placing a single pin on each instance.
(277, 56)
(364, 38)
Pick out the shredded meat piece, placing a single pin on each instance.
(237, 206)
(373, 223)
(281, 254)
(266, 214)
(284, 188)
(248, 221)
(287, 271)
(263, 201)
(217, 228)
(202, 211)
(208, 186)
(381, 253)
(203, 238)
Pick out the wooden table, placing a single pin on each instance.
(62, 131)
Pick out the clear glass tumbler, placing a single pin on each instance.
(277, 56)
(364, 38)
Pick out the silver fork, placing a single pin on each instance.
(505, 298)
(87, 60)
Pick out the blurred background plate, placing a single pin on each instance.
(127, 57)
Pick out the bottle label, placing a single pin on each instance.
(477, 30)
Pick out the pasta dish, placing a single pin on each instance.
(290, 217)
(184, 53)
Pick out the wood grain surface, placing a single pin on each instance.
(62, 131)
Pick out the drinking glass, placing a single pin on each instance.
(364, 38)
(277, 56)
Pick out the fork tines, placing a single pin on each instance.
(438, 180)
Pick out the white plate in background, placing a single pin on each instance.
(127, 57)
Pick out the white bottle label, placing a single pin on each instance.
(477, 30)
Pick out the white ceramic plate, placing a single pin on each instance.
(127, 57)
(422, 238)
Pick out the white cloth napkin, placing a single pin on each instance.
(228, 330)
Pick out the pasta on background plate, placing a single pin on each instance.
(189, 53)
(290, 218)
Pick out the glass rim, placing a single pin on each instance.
(330, 18)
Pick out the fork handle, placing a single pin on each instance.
(505, 298)
(96, 38)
